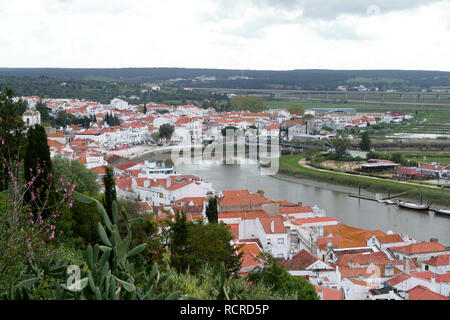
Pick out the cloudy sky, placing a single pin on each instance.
(231, 34)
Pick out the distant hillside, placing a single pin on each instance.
(247, 79)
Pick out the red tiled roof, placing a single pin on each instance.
(398, 279)
(422, 247)
(300, 261)
(196, 200)
(328, 293)
(390, 238)
(443, 278)
(363, 259)
(430, 166)
(347, 272)
(425, 275)
(126, 165)
(241, 198)
(249, 253)
(277, 223)
(423, 293)
(441, 260)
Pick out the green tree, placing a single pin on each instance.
(178, 242)
(236, 131)
(211, 210)
(365, 144)
(155, 136)
(398, 157)
(281, 281)
(166, 131)
(308, 116)
(44, 111)
(341, 146)
(38, 166)
(110, 190)
(12, 134)
(251, 103)
(209, 244)
(296, 108)
(64, 119)
(75, 172)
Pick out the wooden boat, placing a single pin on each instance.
(442, 211)
(412, 205)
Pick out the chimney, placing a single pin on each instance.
(300, 204)
(433, 279)
(407, 263)
(272, 226)
(146, 183)
(434, 240)
(260, 193)
(169, 182)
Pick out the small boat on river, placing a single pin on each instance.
(412, 205)
(442, 211)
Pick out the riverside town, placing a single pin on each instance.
(258, 169)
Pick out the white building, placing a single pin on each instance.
(31, 117)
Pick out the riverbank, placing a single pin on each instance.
(289, 165)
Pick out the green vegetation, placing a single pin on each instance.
(374, 80)
(110, 191)
(282, 282)
(365, 144)
(289, 165)
(165, 131)
(341, 146)
(211, 210)
(296, 108)
(11, 134)
(250, 103)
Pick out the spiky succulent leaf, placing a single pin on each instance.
(103, 236)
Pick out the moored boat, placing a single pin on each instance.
(412, 205)
(442, 211)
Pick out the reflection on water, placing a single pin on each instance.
(350, 211)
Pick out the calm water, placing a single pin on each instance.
(334, 199)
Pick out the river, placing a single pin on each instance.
(354, 212)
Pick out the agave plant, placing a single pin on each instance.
(108, 273)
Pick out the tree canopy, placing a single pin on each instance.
(166, 130)
(251, 103)
(296, 108)
(365, 144)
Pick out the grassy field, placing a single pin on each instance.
(289, 166)
(437, 117)
(429, 157)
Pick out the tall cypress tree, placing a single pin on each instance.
(211, 211)
(365, 144)
(110, 191)
(12, 134)
(38, 165)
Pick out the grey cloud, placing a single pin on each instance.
(329, 9)
(335, 30)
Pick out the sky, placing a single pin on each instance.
(226, 34)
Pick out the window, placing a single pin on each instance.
(280, 255)
(280, 241)
(426, 267)
(269, 241)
